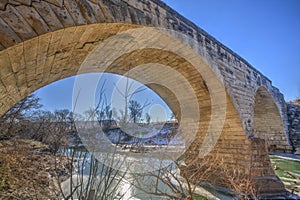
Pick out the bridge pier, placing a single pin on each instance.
(235, 160)
(252, 172)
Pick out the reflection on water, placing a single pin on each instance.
(92, 178)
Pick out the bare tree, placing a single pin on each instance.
(59, 135)
(12, 122)
(148, 118)
(165, 183)
(177, 180)
(242, 184)
(127, 95)
(108, 112)
(136, 110)
(90, 114)
(91, 179)
(40, 125)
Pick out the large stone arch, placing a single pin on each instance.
(36, 50)
(268, 124)
(232, 145)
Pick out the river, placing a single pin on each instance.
(121, 183)
(96, 178)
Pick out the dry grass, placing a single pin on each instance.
(26, 172)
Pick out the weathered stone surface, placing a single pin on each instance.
(33, 19)
(3, 4)
(293, 113)
(23, 2)
(58, 3)
(49, 16)
(7, 36)
(17, 23)
(62, 15)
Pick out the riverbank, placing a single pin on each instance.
(287, 168)
(28, 170)
(287, 156)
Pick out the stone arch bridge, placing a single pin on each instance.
(48, 40)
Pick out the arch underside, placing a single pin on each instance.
(268, 124)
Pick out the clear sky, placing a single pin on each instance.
(266, 33)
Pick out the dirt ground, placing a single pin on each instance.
(29, 171)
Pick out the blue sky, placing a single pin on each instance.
(266, 33)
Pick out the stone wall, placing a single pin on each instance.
(293, 113)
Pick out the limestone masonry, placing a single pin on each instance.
(45, 41)
(293, 113)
